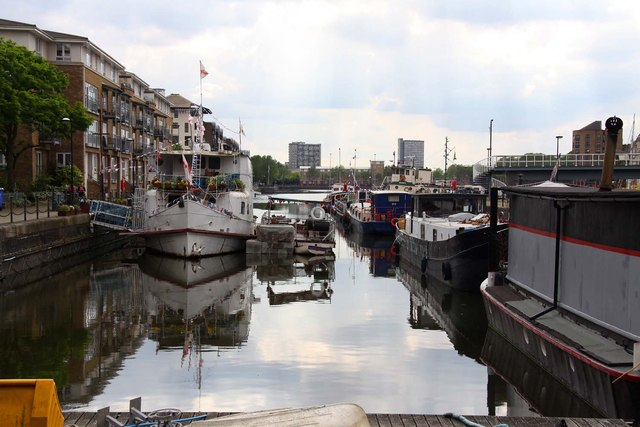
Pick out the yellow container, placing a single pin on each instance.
(30, 403)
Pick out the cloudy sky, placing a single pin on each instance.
(356, 75)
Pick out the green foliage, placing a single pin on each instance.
(32, 96)
(61, 177)
(267, 170)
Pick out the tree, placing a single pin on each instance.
(32, 98)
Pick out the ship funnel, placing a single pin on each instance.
(613, 125)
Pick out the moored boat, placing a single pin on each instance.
(314, 229)
(446, 236)
(569, 297)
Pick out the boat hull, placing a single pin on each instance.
(195, 230)
(589, 379)
(303, 247)
(460, 262)
(369, 227)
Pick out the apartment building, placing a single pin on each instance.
(303, 154)
(591, 139)
(130, 119)
(411, 152)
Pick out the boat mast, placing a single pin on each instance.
(195, 160)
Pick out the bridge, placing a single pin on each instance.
(529, 168)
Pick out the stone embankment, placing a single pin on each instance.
(37, 248)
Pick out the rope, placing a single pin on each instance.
(636, 366)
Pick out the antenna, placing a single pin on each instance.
(447, 151)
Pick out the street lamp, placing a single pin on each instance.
(558, 138)
(490, 152)
(71, 188)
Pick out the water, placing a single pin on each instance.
(260, 335)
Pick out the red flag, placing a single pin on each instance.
(203, 72)
(187, 171)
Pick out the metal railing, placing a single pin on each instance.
(17, 207)
(550, 160)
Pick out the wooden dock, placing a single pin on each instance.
(89, 419)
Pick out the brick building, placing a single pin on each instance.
(130, 119)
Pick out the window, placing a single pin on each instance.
(88, 59)
(242, 205)
(186, 127)
(92, 165)
(39, 164)
(63, 52)
(114, 170)
(3, 162)
(91, 97)
(63, 159)
(175, 114)
(38, 47)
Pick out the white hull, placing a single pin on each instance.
(313, 248)
(195, 230)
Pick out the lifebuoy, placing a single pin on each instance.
(394, 221)
(403, 178)
(393, 250)
(317, 213)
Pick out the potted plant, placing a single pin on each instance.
(168, 185)
(63, 210)
(239, 184)
(212, 184)
(181, 184)
(156, 182)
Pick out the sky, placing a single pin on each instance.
(356, 75)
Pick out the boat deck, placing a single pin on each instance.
(89, 419)
(587, 340)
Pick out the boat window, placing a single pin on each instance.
(394, 197)
(242, 207)
(213, 163)
(435, 235)
(423, 231)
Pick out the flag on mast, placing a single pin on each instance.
(187, 171)
(241, 132)
(203, 72)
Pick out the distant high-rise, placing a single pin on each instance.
(411, 153)
(302, 154)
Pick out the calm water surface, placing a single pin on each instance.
(250, 334)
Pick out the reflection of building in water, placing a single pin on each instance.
(527, 385)
(198, 302)
(112, 327)
(460, 314)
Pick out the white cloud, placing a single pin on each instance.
(360, 75)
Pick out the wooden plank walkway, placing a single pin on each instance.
(89, 419)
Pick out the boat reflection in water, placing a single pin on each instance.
(305, 278)
(382, 261)
(197, 302)
(434, 305)
(535, 389)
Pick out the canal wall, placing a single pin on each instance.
(35, 249)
